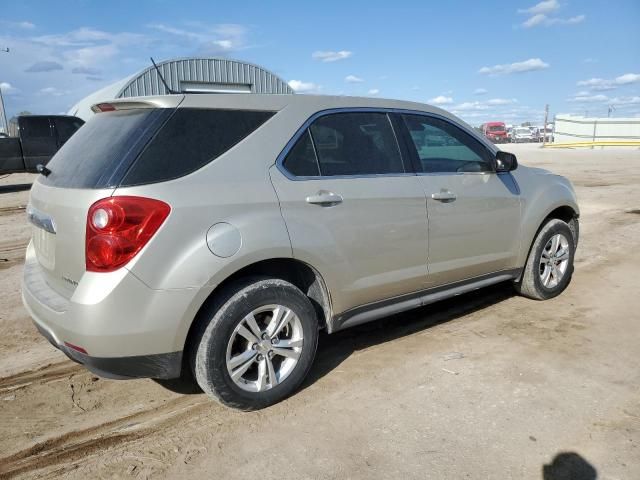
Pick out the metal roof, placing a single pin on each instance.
(215, 75)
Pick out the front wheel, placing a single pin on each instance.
(256, 345)
(549, 267)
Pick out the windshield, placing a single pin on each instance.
(99, 153)
(496, 128)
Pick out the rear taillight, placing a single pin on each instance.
(118, 228)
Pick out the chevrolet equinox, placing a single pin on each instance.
(215, 235)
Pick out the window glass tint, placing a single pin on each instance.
(356, 144)
(444, 147)
(93, 157)
(301, 160)
(36, 127)
(67, 127)
(190, 139)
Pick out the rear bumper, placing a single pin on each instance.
(126, 329)
(161, 365)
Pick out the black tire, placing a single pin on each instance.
(217, 325)
(531, 285)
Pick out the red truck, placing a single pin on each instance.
(495, 131)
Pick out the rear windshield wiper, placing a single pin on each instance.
(43, 170)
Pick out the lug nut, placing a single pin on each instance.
(260, 357)
(265, 336)
(275, 341)
(254, 346)
(271, 354)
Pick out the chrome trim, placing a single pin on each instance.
(41, 220)
(384, 308)
(290, 144)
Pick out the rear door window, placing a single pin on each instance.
(357, 143)
(190, 139)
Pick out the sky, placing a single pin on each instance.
(484, 61)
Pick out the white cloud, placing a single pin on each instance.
(330, 56)
(353, 79)
(603, 84)
(501, 101)
(518, 67)
(588, 98)
(441, 100)
(373, 91)
(44, 66)
(628, 78)
(303, 87)
(543, 14)
(547, 6)
(53, 91)
(484, 105)
(623, 101)
(541, 19)
(7, 88)
(217, 39)
(480, 91)
(24, 25)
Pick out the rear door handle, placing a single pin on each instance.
(324, 198)
(444, 196)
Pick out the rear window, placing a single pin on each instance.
(190, 139)
(97, 155)
(140, 146)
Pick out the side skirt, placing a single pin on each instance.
(384, 308)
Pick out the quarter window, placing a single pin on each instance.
(444, 147)
(302, 161)
(358, 143)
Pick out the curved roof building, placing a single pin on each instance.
(210, 75)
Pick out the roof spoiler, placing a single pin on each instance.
(164, 101)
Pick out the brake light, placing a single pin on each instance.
(103, 107)
(118, 228)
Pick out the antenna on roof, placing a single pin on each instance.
(162, 78)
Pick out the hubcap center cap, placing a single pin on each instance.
(264, 346)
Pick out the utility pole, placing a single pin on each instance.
(5, 124)
(546, 117)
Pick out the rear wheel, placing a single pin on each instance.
(550, 264)
(257, 345)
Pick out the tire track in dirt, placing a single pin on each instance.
(45, 374)
(77, 444)
(12, 209)
(12, 253)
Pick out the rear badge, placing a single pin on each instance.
(70, 281)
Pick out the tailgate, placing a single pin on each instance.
(58, 217)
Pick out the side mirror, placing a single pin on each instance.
(505, 161)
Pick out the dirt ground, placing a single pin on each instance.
(487, 385)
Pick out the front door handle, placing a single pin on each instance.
(324, 198)
(444, 196)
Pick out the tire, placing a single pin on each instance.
(226, 332)
(538, 269)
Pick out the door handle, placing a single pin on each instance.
(444, 196)
(324, 198)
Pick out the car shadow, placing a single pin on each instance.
(18, 187)
(569, 466)
(336, 348)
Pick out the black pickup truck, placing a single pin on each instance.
(35, 139)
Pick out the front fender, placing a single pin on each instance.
(539, 201)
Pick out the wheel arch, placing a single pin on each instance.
(294, 271)
(565, 212)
